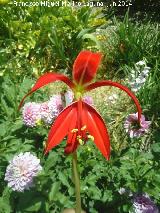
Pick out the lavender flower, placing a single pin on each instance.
(134, 128)
(31, 113)
(21, 170)
(88, 99)
(50, 110)
(143, 204)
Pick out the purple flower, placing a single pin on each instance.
(49, 110)
(143, 204)
(134, 128)
(31, 113)
(88, 100)
(21, 170)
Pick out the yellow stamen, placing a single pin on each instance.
(39, 122)
(83, 127)
(90, 137)
(74, 130)
(81, 142)
(79, 137)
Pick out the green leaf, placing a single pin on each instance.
(54, 190)
(4, 206)
(30, 202)
(64, 179)
(156, 147)
(2, 129)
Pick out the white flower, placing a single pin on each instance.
(21, 171)
(112, 98)
(122, 191)
(138, 76)
(141, 63)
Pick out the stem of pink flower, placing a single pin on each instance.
(77, 183)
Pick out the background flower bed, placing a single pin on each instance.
(32, 42)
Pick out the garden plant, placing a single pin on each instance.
(79, 110)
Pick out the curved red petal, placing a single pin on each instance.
(46, 79)
(72, 137)
(120, 86)
(96, 127)
(85, 66)
(61, 126)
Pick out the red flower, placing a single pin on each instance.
(79, 121)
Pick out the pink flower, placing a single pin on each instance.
(31, 114)
(49, 110)
(134, 128)
(21, 171)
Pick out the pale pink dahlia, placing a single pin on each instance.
(31, 113)
(21, 171)
(134, 128)
(143, 204)
(55, 105)
(47, 116)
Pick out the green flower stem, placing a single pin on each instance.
(77, 183)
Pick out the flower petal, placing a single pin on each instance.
(96, 127)
(60, 127)
(120, 86)
(72, 137)
(85, 67)
(46, 79)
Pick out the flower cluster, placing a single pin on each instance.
(134, 128)
(143, 204)
(21, 171)
(45, 112)
(139, 76)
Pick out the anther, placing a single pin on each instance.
(74, 130)
(90, 137)
(81, 142)
(83, 127)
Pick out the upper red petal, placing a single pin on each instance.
(120, 86)
(96, 127)
(85, 66)
(46, 79)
